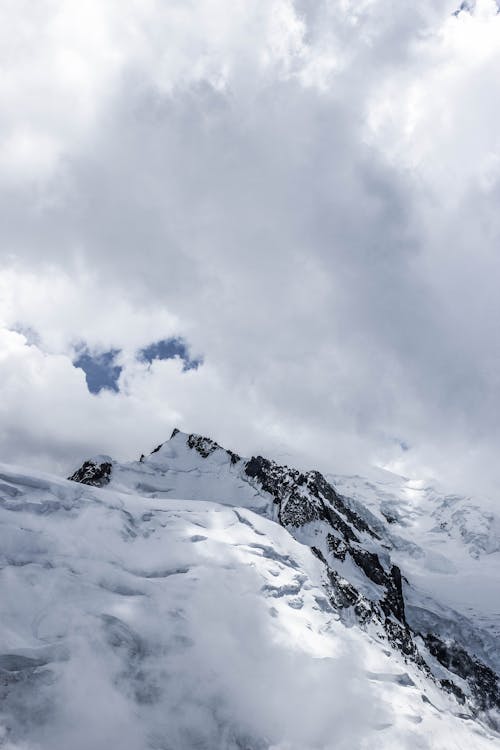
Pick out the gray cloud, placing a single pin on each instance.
(285, 188)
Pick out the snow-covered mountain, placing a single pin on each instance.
(196, 599)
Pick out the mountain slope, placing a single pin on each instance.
(131, 618)
(449, 544)
(358, 548)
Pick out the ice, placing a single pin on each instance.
(174, 623)
(447, 544)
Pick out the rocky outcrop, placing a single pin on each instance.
(306, 497)
(482, 681)
(203, 445)
(93, 472)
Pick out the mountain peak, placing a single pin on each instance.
(364, 568)
(191, 549)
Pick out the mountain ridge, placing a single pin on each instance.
(196, 599)
(309, 507)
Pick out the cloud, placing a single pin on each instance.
(306, 192)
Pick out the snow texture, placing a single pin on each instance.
(169, 608)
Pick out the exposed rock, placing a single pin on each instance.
(482, 680)
(306, 497)
(319, 487)
(93, 472)
(394, 598)
(206, 446)
(337, 546)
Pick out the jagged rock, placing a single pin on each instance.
(402, 637)
(203, 445)
(206, 446)
(394, 597)
(306, 497)
(452, 688)
(93, 472)
(337, 546)
(321, 488)
(481, 679)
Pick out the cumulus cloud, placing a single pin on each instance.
(305, 192)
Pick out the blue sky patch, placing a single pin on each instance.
(100, 370)
(169, 349)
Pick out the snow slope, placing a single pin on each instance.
(448, 545)
(131, 618)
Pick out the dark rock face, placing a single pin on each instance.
(482, 680)
(323, 489)
(95, 474)
(395, 598)
(337, 546)
(305, 497)
(452, 688)
(205, 446)
(403, 638)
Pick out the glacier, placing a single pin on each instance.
(197, 599)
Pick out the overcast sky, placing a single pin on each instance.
(303, 195)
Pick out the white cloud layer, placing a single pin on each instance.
(306, 191)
